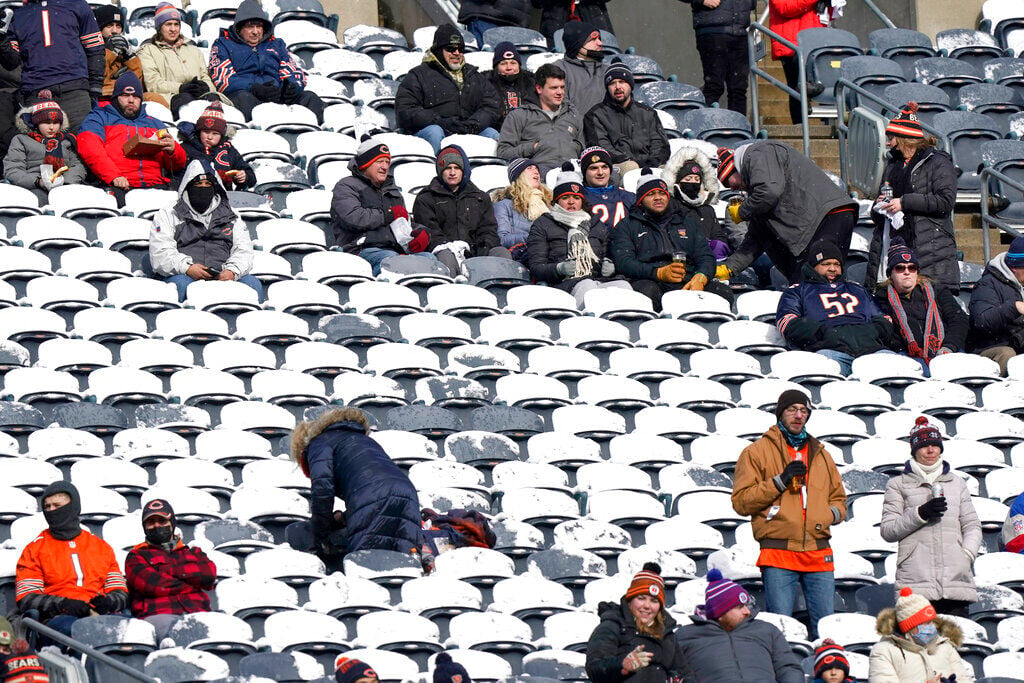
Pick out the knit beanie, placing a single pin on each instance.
(577, 34)
(505, 50)
(447, 670)
(1015, 255)
(912, 609)
(450, 155)
(690, 167)
(566, 187)
(923, 433)
(649, 181)
(647, 581)
(212, 119)
(823, 250)
(791, 397)
(618, 71)
(899, 253)
(165, 11)
(726, 163)
(6, 632)
(829, 655)
(516, 168)
(594, 155)
(46, 111)
(108, 14)
(127, 84)
(447, 35)
(369, 151)
(906, 124)
(722, 595)
(347, 670)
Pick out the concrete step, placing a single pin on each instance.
(790, 130)
(967, 220)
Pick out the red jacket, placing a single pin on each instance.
(788, 18)
(101, 140)
(162, 582)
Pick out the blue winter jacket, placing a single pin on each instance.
(235, 66)
(610, 204)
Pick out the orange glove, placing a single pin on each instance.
(696, 283)
(673, 272)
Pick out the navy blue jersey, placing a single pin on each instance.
(610, 204)
(56, 39)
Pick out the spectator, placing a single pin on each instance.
(830, 663)
(916, 645)
(788, 18)
(923, 181)
(927, 319)
(349, 670)
(166, 578)
(695, 186)
(511, 81)
(61, 50)
(201, 237)
(444, 95)
(568, 246)
(584, 70)
(19, 663)
(630, 131)
(558, 14)
(658, 250)
(607, 201)
(720, 27)
(1013, 527)
(788, 484)
(250, 65)
(458, 216)
(66, 573)
(44, 140)
(725, 644)
(517, 206)
(381, 505)
(928, 511)
(105, 131)
(447, 670)
(830, 316)
(997, 307)
(172, 66)
(10, 84)
(790, 204)
(207, 140)
(635, 640)
(368, 212)
(119, 53)
(480, 15)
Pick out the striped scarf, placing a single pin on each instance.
(933, 329)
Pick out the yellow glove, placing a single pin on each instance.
(673, 272)
(734, 213)
(722, 272)
(697, 282)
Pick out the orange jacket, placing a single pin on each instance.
(80, 568)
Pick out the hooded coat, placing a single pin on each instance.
(641, 244)
(360, 212)
(428, 95)
(166, 67)
(995, 320)
(616, 636)
(25, 155)
(235, 66)
(548, 245)
(631, 133)
(897, 659)
(560, 136)
(218, 238)
(701, 207)
(584, 82)
(934, 558)
(222, 158)
(753, 652)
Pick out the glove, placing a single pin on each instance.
(290, 90)
(696, 283)
(194, 88)
(399, 211)
(102, 604)
(795, 468)
(119, 45)
(933, 509)
(673, 272)
(463, 127)
(734, 213)
(637, 659)
(722, 272)
(267, 92)
(607, 267)
(76, 608)
(566, 268)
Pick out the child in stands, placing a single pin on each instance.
(830, 663)
(208, 141)
(43, 155)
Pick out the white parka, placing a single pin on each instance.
(896, 659)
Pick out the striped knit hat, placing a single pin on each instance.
(912, 609)
(829, 655)
(722, 595)
(906, 123)
(369, 151)
(649, 181)
(165, 11)
(647, 581)
(594, 155)
(212, 119)
(1015, 255)
(46, 111)
(516, 168)
(726, 163)
(899, 253)
(924, 433)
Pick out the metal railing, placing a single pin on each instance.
(755, 71)
(987, 219)
(99, 659)
(879, 13)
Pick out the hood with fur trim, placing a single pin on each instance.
(696, 151)
(305, 432)
(23, 120)
(886, 626)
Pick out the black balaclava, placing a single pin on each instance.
(200, 198)
(64, 521)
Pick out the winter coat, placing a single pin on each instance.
(513, 93)
(464, 215)
(954, 321)
(584, 82)
(928, 199)
(548, 245)
(616, 636)
(788, 18)
(222, 158)
(731, 17)
(642, 244)
(101, 141)
(754, 492)
(500, 12)
(610, 204)
(633, 133)
(838, 316)
(429, 96)
(1012, 534)
(896, 659)
(218, 238)
(235, 66)
(113, 65)
(788, 196)
(560, 137)
(69, 53)
(361, 212)
(382, 508)
(25, 155)
(934, 558)
(168, 582)
(753, 652)
(700, 207)
(513, 228)
(166, 67)
(994, 317)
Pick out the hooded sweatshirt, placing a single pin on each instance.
(235, 66)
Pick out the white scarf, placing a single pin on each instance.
(927, 472)
(578, 240)
(535, 206)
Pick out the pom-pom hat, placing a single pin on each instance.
(46, 111)
(647, 581)
(924, 433)
(349, 670)
(726, 163)
(906, 124)
(212, 119)
(912, 609)
(722, 595)
(369, 151)
(648, 182)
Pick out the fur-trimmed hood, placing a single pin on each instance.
(886, 626)
(305, 432)
(22, 120)
(699, 152)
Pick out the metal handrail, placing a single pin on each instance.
(986, 218)
(755, 71)
(880, 14)
(77, 646)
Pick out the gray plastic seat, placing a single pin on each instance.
(966, 131)
(430, 421)
(277, 666)
(1007, 157)
(94, 418)
(969, 45)
(19, 418)
(518, 424)
(930, 100)
(946, 73)
(874, 74)
(308, 10)
(825, 49)
(499, 273)
(526, 40)
(351, 329)
(721, 127)
(998, 101)
(902, 45)
(669, 95)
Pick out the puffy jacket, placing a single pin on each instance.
(463, 215)
(513, 93)
(700, 207)
(928, 196)
(993, 308)
(217, 238)
(610, 204)
(895, 659)
(548, 245)
(428, 95)
(25, 155)
(731, 17)
(584, 82)
(101, 145)
(168, 582)
(235, 66)
(560, 137)
(513, 228)
(222, 158)
(754, 492)
(361, 212)
(788, 18)
(165, 67)
(934, 558)
(616, 636)
(633, 133)
(500, 12)
(641, 245)
(753, 652)
(954, 320)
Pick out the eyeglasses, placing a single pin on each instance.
(905, 268)
(454, 49)
(797, 410)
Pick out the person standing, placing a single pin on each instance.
(788, 18)
(789, 486)
(584, 70)
(480, 15)
(558, 14)
(720, 27)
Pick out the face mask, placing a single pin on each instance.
(508, 78)
(691, 190)
(63, 521)
(596, 55)
(926, 633)
(160, 535)
(200, 197)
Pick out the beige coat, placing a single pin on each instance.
(934, 558)
(165, 68)
(895, 659)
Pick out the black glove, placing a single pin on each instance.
(76, 608)
(267, 92)
(194, 88)
(290, 91)
(933, 509)
(119, 45)
(463, 127)
(102, 603)
(795, 468)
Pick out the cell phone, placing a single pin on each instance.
(214, 272)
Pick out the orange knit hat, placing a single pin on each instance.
(647, 581)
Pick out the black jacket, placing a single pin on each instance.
(515, 92)
(616, 636)
(224, 157)
(429, 96)
(731, 17)
(994, 317)
(361, 213)
(954, 320)
(500, 12)
(641, 244)
(753, 652)
(631, 134)
(465, 215)
(927, 188)
(548, 245)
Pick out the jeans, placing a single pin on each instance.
(435, 133)
(182, 281)
(780, 587)
(724, 60)
(477, 27)
(845, 360)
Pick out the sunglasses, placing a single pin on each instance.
(454, 49)
(905, 268)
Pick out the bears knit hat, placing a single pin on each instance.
(829, 655)
(6, 632)
(791, 397)
(348, 670)
(899, 253)
(726, 163)
(912, 609)
(127, 84)
(594, 155)
(577, 34)
(450, 155)
(620, 71)
(649, 182)
(447, 670)
(369, 151)
(567, 187)
(108, 14)
(906, 124)
(158, 507)
(212, 119)
(46, 111)
(505, 50)
(516, 168)
(447, 35)
(165, 11)
(722, 595)
(823, 250)
(647, 581)
(1015, 255)
(924, 433)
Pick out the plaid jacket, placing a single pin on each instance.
(162, 582)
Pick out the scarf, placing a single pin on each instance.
(176, 45)
(927, 472)
(53, 153)
(797, 441)
(933, 328)
(578, 240)
(535, 204)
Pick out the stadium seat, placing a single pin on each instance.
(946, 73)
(968, 45)
(902, 45)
